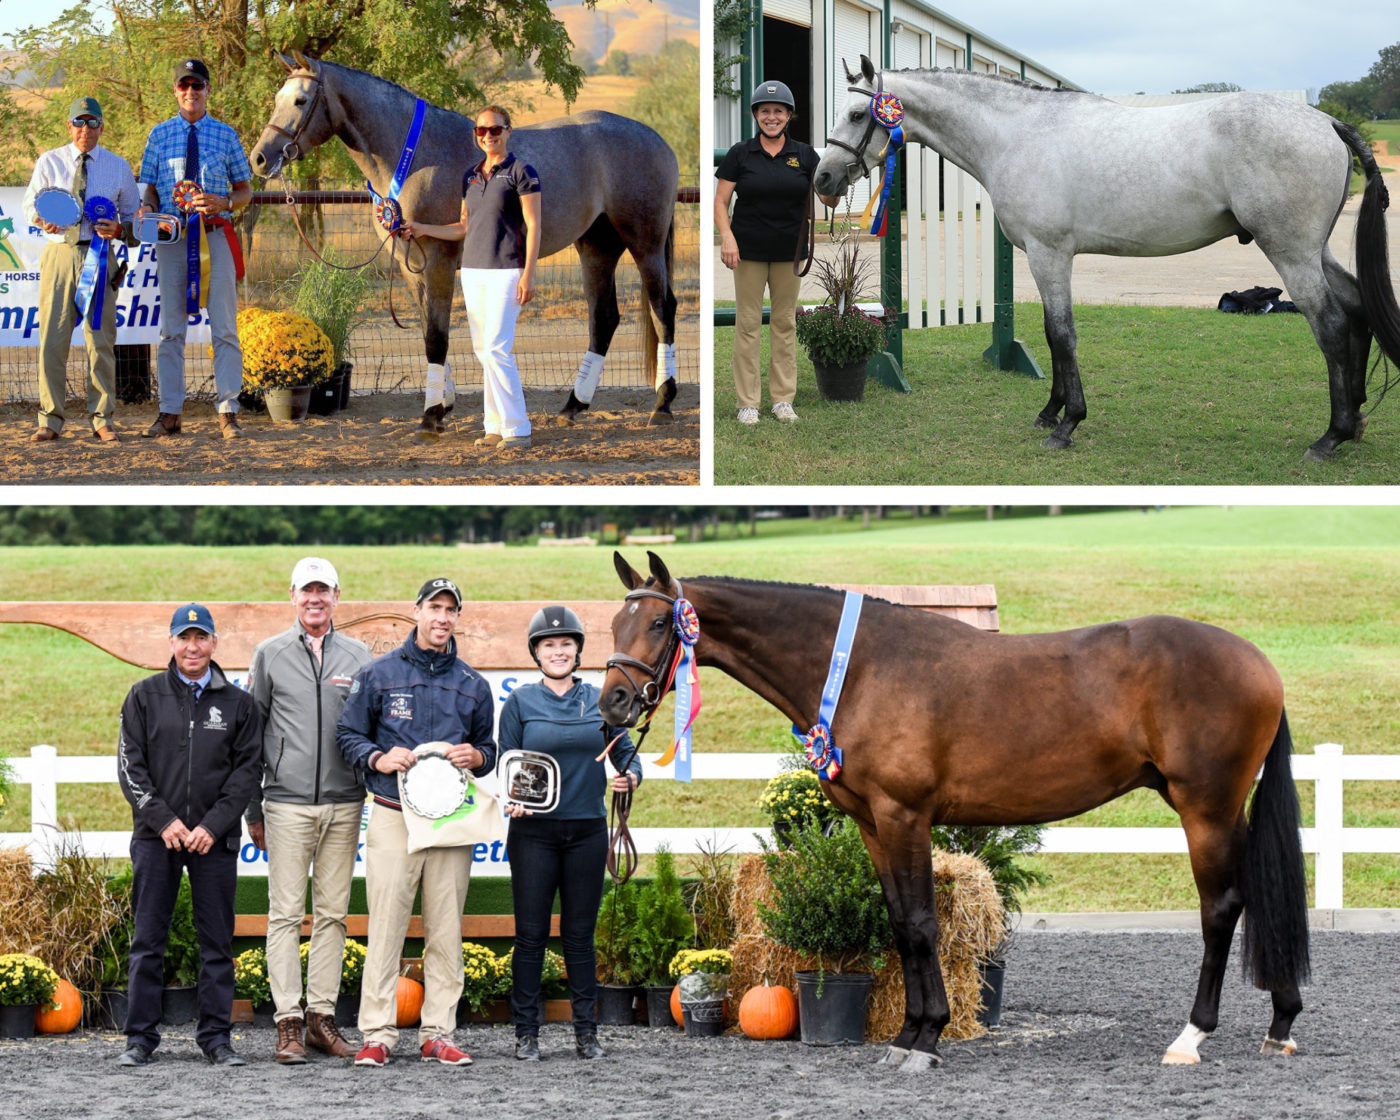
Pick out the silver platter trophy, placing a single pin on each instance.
(529, 779)
(160, 229)
(433, 787)
(58, 207)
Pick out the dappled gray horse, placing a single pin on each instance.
(609, 187)
(1070, 173)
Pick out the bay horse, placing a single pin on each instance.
(609, 187)
(1071, 172)
(942, 723)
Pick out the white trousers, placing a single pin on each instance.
(492, 309)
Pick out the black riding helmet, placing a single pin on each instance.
(555, 622)
(771, 93)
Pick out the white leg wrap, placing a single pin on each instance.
(665, 363)
(437, 383)
(449, 391)
(1185, 1051)
(590, 372)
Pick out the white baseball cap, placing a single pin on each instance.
(312, 569)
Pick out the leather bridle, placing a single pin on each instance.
(859, 151)
(659, 674)
(292, 149)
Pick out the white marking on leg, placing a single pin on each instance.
(1286, 1048)
(436, 386)
(590, 372)
(1185, 1051)
(665, 363)
(449, 390)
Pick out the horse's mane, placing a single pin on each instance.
(761, 584)
(1005, 79)
(392, 86)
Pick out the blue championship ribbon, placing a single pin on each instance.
(687, 624)
(822, 751)
(888, 113)
(92, 283)
(387, 211)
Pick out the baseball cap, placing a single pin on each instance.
(312, 569)
(437, 587)
(192, 68)
(192, 616)
(85, 107)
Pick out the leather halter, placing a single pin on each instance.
(859, 151)
(652, 692)
(292, 149)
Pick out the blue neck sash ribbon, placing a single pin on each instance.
(92, 282)
(387, 211)
(683, 671)
(821, 749)
(888, 113)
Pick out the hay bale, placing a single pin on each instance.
(969, 928)
(24, 919)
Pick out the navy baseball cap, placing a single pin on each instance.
(192, 616)
(192, 68)
(436, 587)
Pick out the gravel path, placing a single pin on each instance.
(1086, 1019)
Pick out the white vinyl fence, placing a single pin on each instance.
(1328, 768)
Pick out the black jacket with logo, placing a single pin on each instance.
(199, 762)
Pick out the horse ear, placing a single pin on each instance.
(867, 68)
(285, 61)
(658, 569)
(631, 578)
(307, 64)
(847, 67)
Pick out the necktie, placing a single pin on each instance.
(314, 644)
(73, 233)
(192, 155)
(194, 690)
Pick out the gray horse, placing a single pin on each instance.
(609, 187)
(1070, 173)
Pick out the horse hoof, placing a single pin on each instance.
(1045, 422)
(919, 1061)
(1178, 1058)
(1315, 454)
(1057, 443)
(893, 1056)
(427, 435)
(1286, 1048)
(659, 417)
(572, 407)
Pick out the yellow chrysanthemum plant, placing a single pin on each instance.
(250, 980)
(281, 350)
(793, 798)
(352, 964)
(480, 970)
(25, 979)
(702, 974)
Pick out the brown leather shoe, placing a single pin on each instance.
(290, 1051)
(106, 433)
(325, 1036)
(228, 426)
(166, 424)
(43, 435)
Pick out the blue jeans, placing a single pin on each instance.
(549, 857)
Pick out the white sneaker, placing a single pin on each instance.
(783, 411)
(748, 416)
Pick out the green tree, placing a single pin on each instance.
(733, 18)
(1385, 72)
(1361, 121)
(1357, 97)
(618, 62)
(670, 103)
(1212, 87)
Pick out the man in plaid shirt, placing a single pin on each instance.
(192, 147)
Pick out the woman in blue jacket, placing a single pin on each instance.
(563, 852)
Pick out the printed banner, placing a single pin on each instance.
(138, 302)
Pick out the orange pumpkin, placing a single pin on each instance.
(63, 1014)
(768, 1011)
(410, 1002)
(676, 1005)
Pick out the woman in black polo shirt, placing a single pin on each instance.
(500, 229)
(769, 178)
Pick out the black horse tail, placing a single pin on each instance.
(1275, 889)
(1372, 254)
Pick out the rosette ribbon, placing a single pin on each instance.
(818, 743)
(196, 249)
(888, 113)
(683, 672)
(92, 281)
(387, 211)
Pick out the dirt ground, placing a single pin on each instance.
(1086, 1019)
(370, 444)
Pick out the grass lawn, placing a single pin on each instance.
(1175, 395)
(1314, 587)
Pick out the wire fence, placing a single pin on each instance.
(551, 336)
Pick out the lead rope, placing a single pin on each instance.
(622, 849)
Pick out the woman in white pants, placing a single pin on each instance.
(500, 232)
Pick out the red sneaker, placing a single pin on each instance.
(372, 1054)
(442, 1050)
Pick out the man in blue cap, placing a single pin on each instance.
(89, 172)
(189, 756)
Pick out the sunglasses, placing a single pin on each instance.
(85, 122)
(491, 129)
(194, 85)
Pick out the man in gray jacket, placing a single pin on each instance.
(307, 816)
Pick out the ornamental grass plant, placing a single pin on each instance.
(281, 350)
(331, 296)
(838, 333)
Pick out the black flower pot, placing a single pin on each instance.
(111, 1012)
(343, 370)
(17, 1019)
(841, 383)
(831, 1007)
(179, 1003)
(616, 1005)
(993, 981)
(703, 1020)
(659, 1006)
(325, 396)
(347, 1008)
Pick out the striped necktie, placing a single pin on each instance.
(73, 233)
(314, 644)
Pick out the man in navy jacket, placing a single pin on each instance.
(188, 760)
(419, 693)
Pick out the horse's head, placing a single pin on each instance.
(644, 638)
(301, 117)
(848, 154)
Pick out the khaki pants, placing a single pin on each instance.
(392, 877)
(60, 268)
(750, 279)
(320, 840)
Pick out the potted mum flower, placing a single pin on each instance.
(838, 336)
(26, 984)
(251, 985)
(479, 979)
(702, 975)
(284, 355)
(794, 798)
(352, 968)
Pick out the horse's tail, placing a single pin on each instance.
(1275, 890)
(1372, 254)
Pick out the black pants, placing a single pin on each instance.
(155, 883)
(567, 857)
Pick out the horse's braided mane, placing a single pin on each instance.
(1006, 79)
